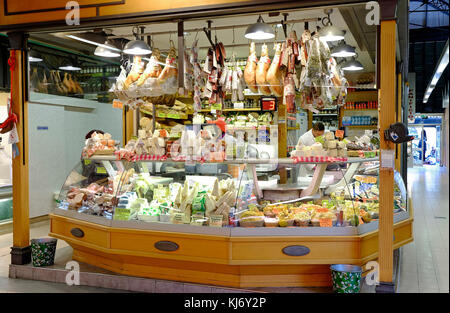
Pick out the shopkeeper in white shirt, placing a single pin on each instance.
(308, 139)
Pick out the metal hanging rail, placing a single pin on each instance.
(316, 19)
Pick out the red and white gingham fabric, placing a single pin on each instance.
(318, 159)
(147, 157)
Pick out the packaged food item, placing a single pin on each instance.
(271, 222)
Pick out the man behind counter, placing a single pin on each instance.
(309, 138)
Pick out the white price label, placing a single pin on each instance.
(388, 159)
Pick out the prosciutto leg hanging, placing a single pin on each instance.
(261, 71)
(135, 72)
(274, 75)
(250, 69)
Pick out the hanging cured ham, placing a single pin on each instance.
(275, 75)
(250, 69)
(261, 71)
(135, 72)
(170, 69)
(153, 69)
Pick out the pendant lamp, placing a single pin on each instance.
(330, 32)
(107, 51)
(137, 46)
(343, 51)
(352, 65)
(259, 31)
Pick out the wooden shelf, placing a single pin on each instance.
(182, 116)
(242, 110)
(362, 126)
(360, 109)
(362, 96)
(234, 110)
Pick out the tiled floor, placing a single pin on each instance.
(425, 266)
(424, 263)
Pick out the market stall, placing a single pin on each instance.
(203, 186)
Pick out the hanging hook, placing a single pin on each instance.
(215, 36)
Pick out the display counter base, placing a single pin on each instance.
(20, 255)
(385, 288)
(220, 260)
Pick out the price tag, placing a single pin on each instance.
(122, 214)
(339, 133)
(117, 104)
(87, 162)
(326, 222)
(215, 220)
(216, 107)
(388, 158)
(197, 219)
(178, 218)
(322, 210)
(100, 170)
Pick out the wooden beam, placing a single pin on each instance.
(386, 117)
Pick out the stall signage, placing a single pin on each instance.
(117, 104)
(326, 222)
(339, 133)
(412, 97)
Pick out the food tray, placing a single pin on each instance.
(104, 152)
(257, 221)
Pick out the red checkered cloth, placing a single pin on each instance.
(124, 154)
(318, 159)
(147, 157)
(183, 158)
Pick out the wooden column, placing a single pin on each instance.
(282, 137)
(386, 117)
(127, 124)
(398, 118)
(20, 252)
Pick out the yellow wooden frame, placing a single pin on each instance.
(253, 261)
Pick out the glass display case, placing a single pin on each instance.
(228, 194)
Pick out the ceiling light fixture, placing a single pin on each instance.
(343, 51)
(34, 56)
(439, 69)
(93, 39)
(330, 32)
(259, 31)
(70, 68)
(137, 46)
(352, 65)
(107, 51)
